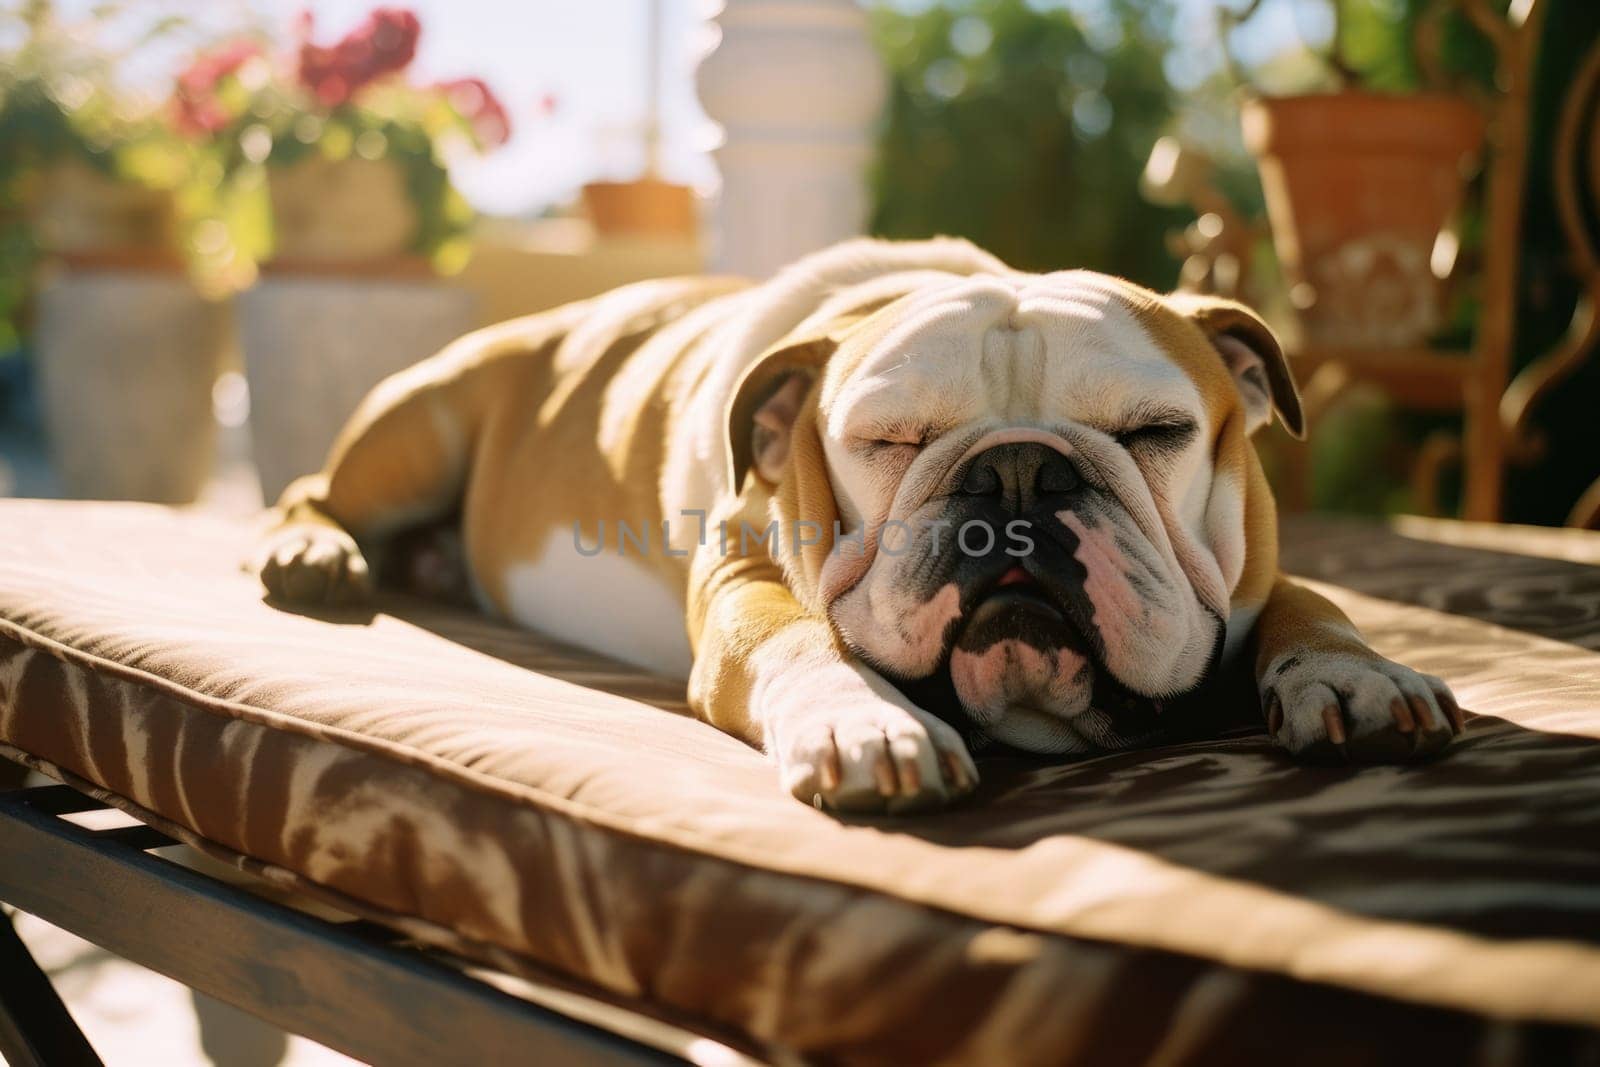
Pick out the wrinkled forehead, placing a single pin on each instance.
(1072, 335)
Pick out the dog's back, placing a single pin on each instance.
(571, 449)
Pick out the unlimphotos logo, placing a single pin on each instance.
(975, 538)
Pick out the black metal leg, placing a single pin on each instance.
(36, 1029)
(353, 987)
(12, 775)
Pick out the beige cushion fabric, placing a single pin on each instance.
(1204, 902)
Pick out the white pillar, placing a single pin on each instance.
(797, 88)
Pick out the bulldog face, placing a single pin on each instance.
(1035, 509)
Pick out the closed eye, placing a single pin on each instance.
(887, 452)
(1166, 434)
(909, 440)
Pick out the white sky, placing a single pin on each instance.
(589, 56)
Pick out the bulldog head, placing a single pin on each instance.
(1029, 492)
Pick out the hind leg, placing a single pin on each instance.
(400, 461)
(307, 558)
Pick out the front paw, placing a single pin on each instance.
(1356, 706)
(872, 756)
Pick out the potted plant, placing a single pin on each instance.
(350, 157)
(127, 350)
(1358, 186)
(327, 167)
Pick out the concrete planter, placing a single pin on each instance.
(127, 361)
(1358, 186)
(314, 345)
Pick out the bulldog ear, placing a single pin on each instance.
(766, 403)
(1253, 357)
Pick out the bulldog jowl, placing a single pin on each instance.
(1026, 659)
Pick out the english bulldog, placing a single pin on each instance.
(899, 497)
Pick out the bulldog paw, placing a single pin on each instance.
(308, 563)
(1357, 707)
(874, 758)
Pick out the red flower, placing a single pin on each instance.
(383, 44)
(196, 110)
(479, 106)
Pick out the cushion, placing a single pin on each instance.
(521, 802)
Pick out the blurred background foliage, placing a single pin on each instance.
(1026, 131)
(1025, 126)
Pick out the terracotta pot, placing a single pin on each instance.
(340, 211)
(1358, 186)
(647, 207)
(127, 361)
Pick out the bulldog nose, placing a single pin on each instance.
(1020, 474)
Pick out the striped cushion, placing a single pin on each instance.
(514, 800)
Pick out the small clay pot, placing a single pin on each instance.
(647, 207)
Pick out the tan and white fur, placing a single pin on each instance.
(884, 405)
